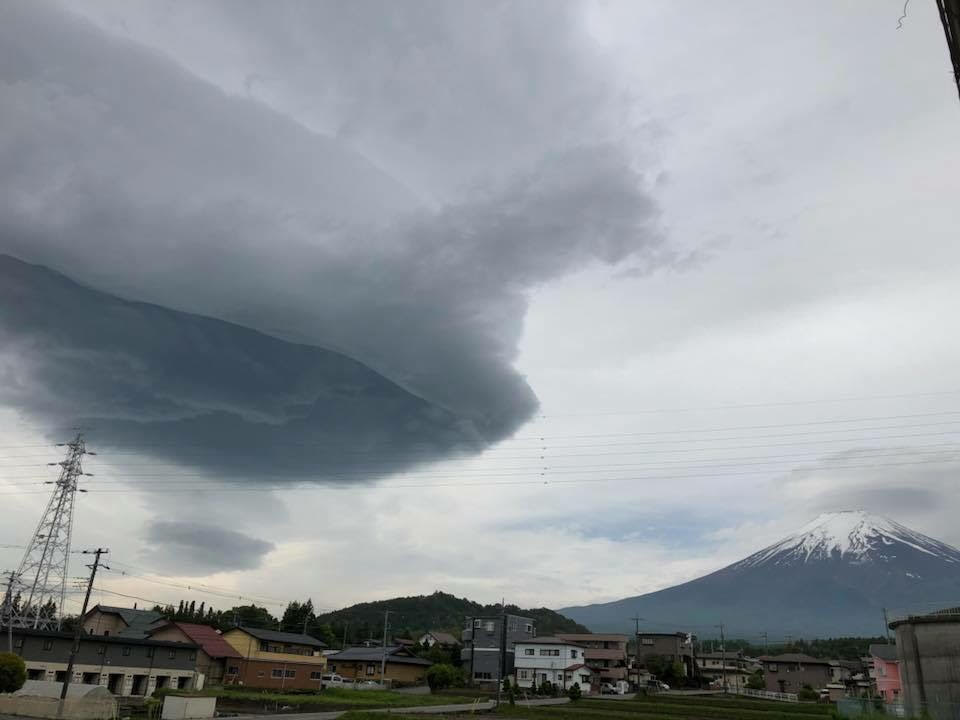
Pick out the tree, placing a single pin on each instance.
(13, 672)
(442, 676)
(574, 692)
(756, 681)
(807, 693)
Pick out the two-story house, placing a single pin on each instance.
(551, 659)
(400, 665)
(730, 666)
(274, 659)
(790, 672)
(126, 666)
(605, 654)
(482, 638)
(214, 655)
(677, 647)
(886, 672)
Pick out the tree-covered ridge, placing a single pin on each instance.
(410, 616)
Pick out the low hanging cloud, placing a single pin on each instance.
(129, 174)
(196, 549)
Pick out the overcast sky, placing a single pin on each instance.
(655, 283)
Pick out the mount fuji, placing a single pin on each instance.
(831, 578)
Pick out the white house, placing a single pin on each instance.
(549, 658)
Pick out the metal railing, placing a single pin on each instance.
(766, 695)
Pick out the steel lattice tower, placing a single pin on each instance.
(42, 577)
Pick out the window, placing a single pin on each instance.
(193, 654)
(549, 652)
(646, 641)
(276, 673)
(489, 626)
(150, 652)
(101, 650)
(482, 676)
(529, 651)
(528, 627)
(126, 651)
(523, 674)
(48, 644)
(172, 654)
(772, 667)
(573, 653)
(290, 673)
(477, 623)
(264, 647)
(18, 643)
(371, 669)
(316, 675)
(234, 670)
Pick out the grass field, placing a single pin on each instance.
(329, 699)
(666, 707)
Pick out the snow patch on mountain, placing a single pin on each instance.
(852, 535)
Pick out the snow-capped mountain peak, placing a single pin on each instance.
(855, 536)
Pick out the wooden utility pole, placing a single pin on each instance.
(383, 649)
(79, 629)
(636, 637)
(723, 657)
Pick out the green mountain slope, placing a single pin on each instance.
(410, 616)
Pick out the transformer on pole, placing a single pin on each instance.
(42, 576)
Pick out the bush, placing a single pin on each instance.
(807, 693)
(13, 672)
(574, 692)
(756, 681)
(441, 676)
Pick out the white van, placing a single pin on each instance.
(332, 680)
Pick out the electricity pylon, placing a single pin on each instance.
(42, 577)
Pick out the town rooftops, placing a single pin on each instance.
(593, 637)
(100, 639)
(209, 640)
(138, 622)
(282, 637)
(395, 654)
(794, 658)
(884, 651)
(444, 638)
(547, 640)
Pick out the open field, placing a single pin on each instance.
(255, 701)
(666, 707)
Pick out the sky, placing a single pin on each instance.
(557, 302)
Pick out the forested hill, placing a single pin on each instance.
(410, 616)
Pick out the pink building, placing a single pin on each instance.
(886, 672)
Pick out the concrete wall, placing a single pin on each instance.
(78, 709)
(188, 708)
(929, 653)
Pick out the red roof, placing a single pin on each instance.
(210, 641)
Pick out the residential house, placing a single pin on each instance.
(928, 647)
(276, 660)
(551, 659)
(677, 647)
(124, 665)
(886, 671)
(482, 639)
(128, 622)
(718, 667)
(215, 653)
(790, 672)
(401, 665)
(436, 637)
(605, 654)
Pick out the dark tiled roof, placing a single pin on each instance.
(884, 652)
(283, 637)
(444, 638)
(138, 622)
(105, 639)
(209, 640)
(363, 654)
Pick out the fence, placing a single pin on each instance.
(73, 708)
(854, 707)
(766, 695)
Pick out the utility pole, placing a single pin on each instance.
(501, 666)
(636, 637)
(383, 649)
(764, 636)
(950, 18)
(79, 629)
(723, 657)
(8, 609)
(343, 645)
(886, 625)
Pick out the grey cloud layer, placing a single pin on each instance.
(126, 172)
(197, 549)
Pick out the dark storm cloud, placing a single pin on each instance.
(188, 548)
(129, 174)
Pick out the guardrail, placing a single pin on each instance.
(766, 695)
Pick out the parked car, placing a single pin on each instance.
(332, 680)
(655, 684)
(607, 689)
